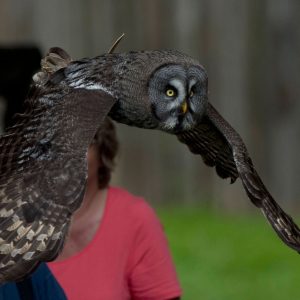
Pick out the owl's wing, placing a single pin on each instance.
(221, 147)
(42, 182)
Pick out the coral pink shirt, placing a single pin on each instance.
(128, 257)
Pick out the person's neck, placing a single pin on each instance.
(85, 222)
(92, 201)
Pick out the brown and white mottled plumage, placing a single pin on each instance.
(43, 157)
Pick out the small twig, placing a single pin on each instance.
(115, 44)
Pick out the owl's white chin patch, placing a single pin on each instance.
(170, 123)
(186, 125)
(175, 124)
(188, 122)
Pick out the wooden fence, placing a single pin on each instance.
(251, 50)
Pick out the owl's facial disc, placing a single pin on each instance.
(178, 96)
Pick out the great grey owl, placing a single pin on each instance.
(43, 156)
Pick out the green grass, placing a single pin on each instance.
(225, 257)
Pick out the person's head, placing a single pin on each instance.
(102, 153)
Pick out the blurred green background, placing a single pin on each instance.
(221, 244)
(223, 256)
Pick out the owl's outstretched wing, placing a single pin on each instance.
(221, 147)
(42, 183)
(43, 171)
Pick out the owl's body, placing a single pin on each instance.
(43, 158)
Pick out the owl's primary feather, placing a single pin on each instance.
(43, 157)
(221, 146)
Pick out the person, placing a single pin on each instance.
(116, 248)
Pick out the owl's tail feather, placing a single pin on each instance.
(23, 246)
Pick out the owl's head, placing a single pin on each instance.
(178, 95)
(162, 89)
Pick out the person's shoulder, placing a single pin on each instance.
(133, 206)
(120, 193)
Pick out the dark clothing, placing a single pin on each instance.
(41, 285)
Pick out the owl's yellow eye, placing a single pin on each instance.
(192, 92)
(170, 92)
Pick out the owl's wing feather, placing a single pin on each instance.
(43, 172)
(222, 147)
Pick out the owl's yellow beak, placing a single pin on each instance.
(184, 107)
